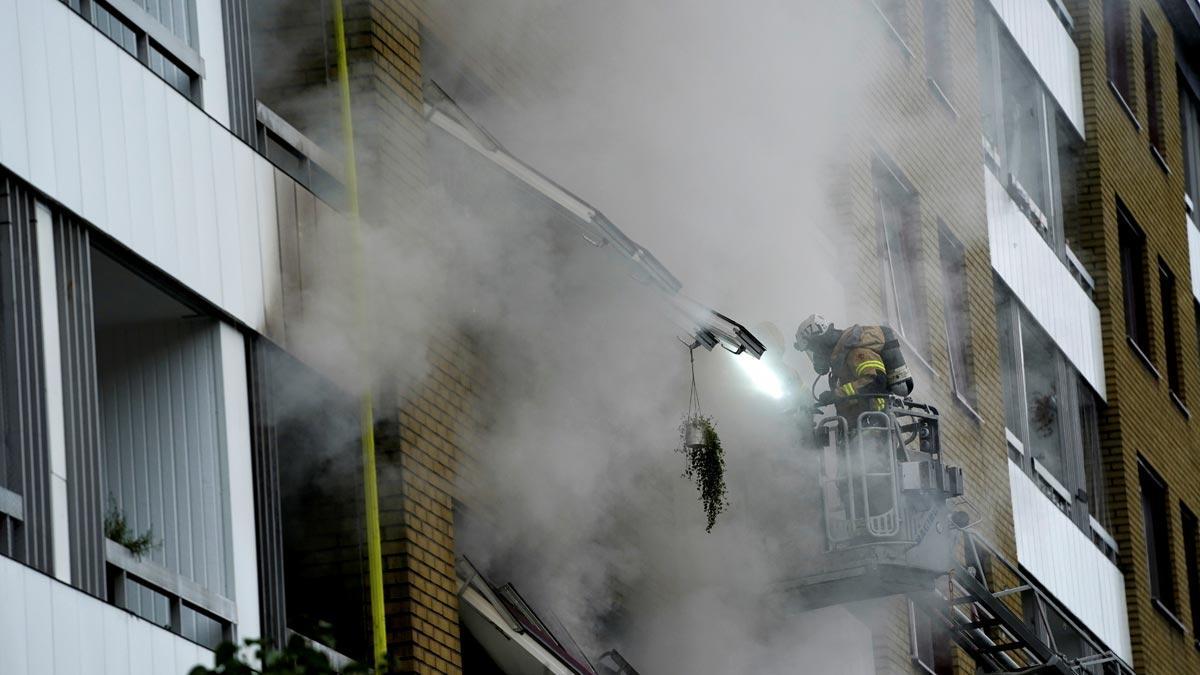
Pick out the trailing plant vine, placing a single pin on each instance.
(701, 446)
(705, 466)
(117, 529)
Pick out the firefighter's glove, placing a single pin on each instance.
(825, 398)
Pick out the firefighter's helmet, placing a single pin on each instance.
(810, 329)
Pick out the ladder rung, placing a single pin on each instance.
(986, 623)
(1007, 647)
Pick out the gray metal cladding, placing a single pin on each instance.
(81, 411)
(163, 450)
(24, 456)
(239, 70)
(268, 518)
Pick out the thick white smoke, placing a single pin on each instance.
(712, 133)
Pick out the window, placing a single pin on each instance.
(957, 313)
(937, 44)
(1191, 530)
(1116, 44)
(310, 502)
(1189, 112)
(930, 643)
(1029, 144)
(1052, 416)
(162, 36)
(1156, 527)
(159, 390)
(1170, 319)
(1154, 119)
(1133, 282)
(899, 243)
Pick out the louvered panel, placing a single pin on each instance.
(162, 447)
(81, 413)
(268, 519)
(24, 469)
(238, 70)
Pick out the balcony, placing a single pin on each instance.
(1044, 39)
(1043, 283)
(1069, 564)
(53, 628)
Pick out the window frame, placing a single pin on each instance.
(1190, 531)
(1168, 290)
(1133, 245)
(1070, 491)
(153, 39)
(956, 313)
(894, 196)
(1117, 48)
(1189, 114)
(1156, 531)
(939, 66)
(1153, 86)
(996, 48)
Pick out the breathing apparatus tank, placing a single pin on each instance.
(899, 380)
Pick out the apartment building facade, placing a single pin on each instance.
(1030, 192)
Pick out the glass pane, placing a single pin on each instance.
(1089, 434)
(1010, 368)
(1042, 398)
(958, 331)
(1026, 151)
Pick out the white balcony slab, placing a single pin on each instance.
(57, 629)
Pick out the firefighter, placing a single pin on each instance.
(859, 359)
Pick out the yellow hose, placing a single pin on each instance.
(366, 412)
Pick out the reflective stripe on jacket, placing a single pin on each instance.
(857, 368)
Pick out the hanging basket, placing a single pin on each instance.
(693, 433)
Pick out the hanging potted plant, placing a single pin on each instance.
(705, 458)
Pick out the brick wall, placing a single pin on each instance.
(1141, 417)
(933, 139)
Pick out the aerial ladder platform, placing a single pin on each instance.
(892, 526)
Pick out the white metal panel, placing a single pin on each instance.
(112, 143)
(87, 111)
(39, 623)
(116, 641)
(1194, 255)
(1064, 559)
(139, 635)
(65, 613)
(211, 45)
(185, 263)
(1049, 47)
(264, 175)
(134, 160)
(207, 226)
(253, 272)
(162, 645)
(229, 238)
(138, 139)
(36, 88)
(62, 106)
(93, 650)
(14, 148)
(1043, 284)
(13, 648)
(236, 416)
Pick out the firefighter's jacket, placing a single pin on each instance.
(856, 367)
